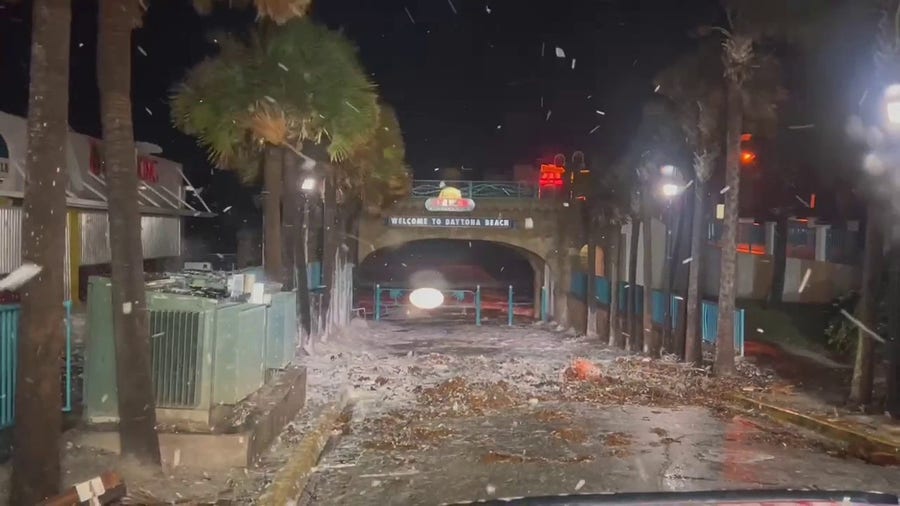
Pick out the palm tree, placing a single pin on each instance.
(590, 218)
(738, 57)
(750, 23)
(613, 251)
(610, 207)
(635, 334)
(301, 84)
(651, 344)
(38, 419)
(887, 61)
(656, 143)
(696, 89)
(137, 412)
(279, 11)
(137, 415)
(373, 177)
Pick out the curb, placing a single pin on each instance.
(870, 444)
(292, 478)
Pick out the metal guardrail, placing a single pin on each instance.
(423, 188)
(9, 339)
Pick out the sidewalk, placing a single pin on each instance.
(813, 393)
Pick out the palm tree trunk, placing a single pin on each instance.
(590, 295)
(294, 215)
(302, 261)
(615, 337)
(272, 182)
(290, 225)
(673, 237)
(724, 364)
(634, 323)
(330, 239)
(38, 420)
(650, 338)
(693, 346)
(863, 366)
(137, 411)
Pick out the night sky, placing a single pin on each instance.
(467, 84)
(467, 78)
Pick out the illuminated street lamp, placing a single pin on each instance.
(892, 104)
(671, 190)
(893, 111)
(308, 184)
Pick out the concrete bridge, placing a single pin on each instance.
(546, 232)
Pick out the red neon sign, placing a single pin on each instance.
(146, 166)
(551, 176)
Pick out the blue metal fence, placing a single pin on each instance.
(710, 311)
(314, 275)
(9, 338)
(388, 299)
(710, 325)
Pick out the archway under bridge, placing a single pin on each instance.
(498, 212)
(457, 267)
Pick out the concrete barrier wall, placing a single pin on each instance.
(658, 241)
(826, 280)
(755, 274)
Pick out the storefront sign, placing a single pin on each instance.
(450, 200)
(146, 167)
(434, 222)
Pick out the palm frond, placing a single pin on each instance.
(282, 11)
(303, 83)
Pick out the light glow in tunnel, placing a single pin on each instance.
(426, 298)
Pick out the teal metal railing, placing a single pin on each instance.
(710, 325)
(424, 188)
(314, 275)
(9, 338)
(709, 317)
(387, 299)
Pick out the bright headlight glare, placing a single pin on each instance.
(426, 298)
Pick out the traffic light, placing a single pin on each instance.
(747, 157)
(748, 154)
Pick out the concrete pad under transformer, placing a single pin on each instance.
(231, 443)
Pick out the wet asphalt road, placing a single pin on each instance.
(548, 448)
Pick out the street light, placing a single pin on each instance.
(308, 184)
(892, 104)
(671, 190)
(893, 110)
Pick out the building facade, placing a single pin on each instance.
(161, 192)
